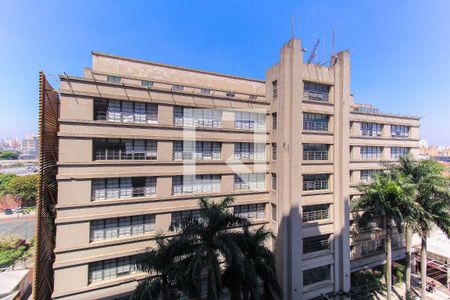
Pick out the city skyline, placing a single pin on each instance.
(223, 39)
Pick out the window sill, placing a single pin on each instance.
(317, 132)
(317, 192)
(315, 254)
(317, 223)
(317, 285)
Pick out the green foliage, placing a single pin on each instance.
(9, 155)
(388, 197)
(11, 249)
(210, 253)
(398, 272)
(4, 180)
(367, 281)
(23, 186)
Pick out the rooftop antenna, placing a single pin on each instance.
(293, 33)
(332, 44)
(313, 54)
(333, 55)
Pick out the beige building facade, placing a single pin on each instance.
(140, 142)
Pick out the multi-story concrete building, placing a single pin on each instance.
(140, 142)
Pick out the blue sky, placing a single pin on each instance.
(400, 50)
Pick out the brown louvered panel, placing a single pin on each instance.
(47, 190)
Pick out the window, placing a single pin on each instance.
(315, 151)
(178, 216)
(274, 89)
(371, 129)
(316, 122)
(250, 151)
(316, 275)
(366, 175)
(124, 149)
(197, 117)
(113, 79)
(372, 246)
(274, 181)
(316, 243)
(188, 150)
(189, 184)
(249, 181)
(315, 212)
(177, 88)
(396, 152)
(274, 212)
(125, 111)
(274, 151)
(230, 94)
(118, 188)
(250, 211)
(370, 152)
(205, 91)
(315, 182)
(107, 229)
(249, 121)
(147, 83)
(315, 92)
(399, 131)
(111, 268)
(274, 121)
(252, 97)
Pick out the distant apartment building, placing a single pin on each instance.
(140, 142)
(30, 147)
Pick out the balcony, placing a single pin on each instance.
(114, 154)
(315, 125)
(315, 215)
(119, 117)
(315, 155)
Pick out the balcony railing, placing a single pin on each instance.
(372, 156)
(313, 185)
(121, 117)
(123, 192)
(315, 125)
(315, 96)
(317, 245)
(315, 155)
(315, 215)
(114, 154)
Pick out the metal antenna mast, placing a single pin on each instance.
(314, 52)
(293, 32)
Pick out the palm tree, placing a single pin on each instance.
(259, 266)
(207, 254)
(210, 246)
(432, 195)
(408, 168)
(159, 263)
(387, 198)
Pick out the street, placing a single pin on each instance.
(20, 226)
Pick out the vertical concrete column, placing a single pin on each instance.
(165, 114)
(341, 171)
(228, 119)
(227, 151)
(288, 74)
(386, 131)
(356, 129)
(386, 153)
(165, 151)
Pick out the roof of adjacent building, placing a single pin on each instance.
(176, 67)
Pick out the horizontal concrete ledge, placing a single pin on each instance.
(155, 199)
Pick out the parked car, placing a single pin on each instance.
(8, 211)
(19, 210)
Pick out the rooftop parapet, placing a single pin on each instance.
(372, 110)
